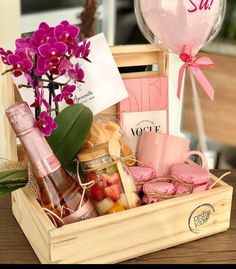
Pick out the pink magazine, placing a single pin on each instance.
(146, 108)
(145, 94)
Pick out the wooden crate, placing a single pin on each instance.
(125, 235)
(134, 232)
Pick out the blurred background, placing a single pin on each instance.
(117, 20)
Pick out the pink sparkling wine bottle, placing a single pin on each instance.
(60, 193)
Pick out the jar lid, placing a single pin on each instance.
(93, 153)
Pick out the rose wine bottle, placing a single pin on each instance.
(60, 193)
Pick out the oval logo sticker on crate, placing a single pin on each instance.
(200, 217)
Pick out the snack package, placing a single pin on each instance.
(104, 127)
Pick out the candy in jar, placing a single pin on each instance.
(110, 193)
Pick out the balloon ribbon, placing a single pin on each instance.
(195, 66)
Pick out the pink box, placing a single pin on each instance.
(145, 94)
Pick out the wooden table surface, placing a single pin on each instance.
(219, 248)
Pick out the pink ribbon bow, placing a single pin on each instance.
(195, 66)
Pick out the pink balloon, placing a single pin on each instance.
(181, 22)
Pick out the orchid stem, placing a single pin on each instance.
(56, 104)
(53, 109)
(54, 82)
(8, 70)
(24, 86)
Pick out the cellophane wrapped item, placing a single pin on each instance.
(104, 127)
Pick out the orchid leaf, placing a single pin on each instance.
(12, 180)
(4, 190)
(13, 176)
(74, 124)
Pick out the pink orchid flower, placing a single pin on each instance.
(77, 74)
(68, 34)
(83, 50)
(20, 62)
(66, 94)
(40, 100)
(46, 124)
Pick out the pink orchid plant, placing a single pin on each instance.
(43, 58)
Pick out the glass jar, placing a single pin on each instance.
(110, 193)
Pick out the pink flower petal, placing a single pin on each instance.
(54, 125)
(57, 98)
(58, 30)
(17, 73)
(21, 43)
(2, 51)
(69, 101)
(49, 120)
(44, 50)
(29, 79)
(70, 89)
(13, 59)
(72, 73)
(64, 65)
(43, 114)
(42, 64)
(47, 131)
(28, 65)
(39, 35)
(60, 48)
(46, 104)
(44, 26)
(72, 30)
(52, 41)
(35, 104)
(65, 23)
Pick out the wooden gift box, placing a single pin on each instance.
(134, 232)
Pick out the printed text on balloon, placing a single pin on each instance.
(200, 5)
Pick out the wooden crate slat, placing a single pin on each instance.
(140, 55)
(140, 48)
(134, 59)
(140, 74)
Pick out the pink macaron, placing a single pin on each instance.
(142, 173)
(190, 173)
(159, 188)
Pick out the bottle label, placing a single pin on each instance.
(46, 166)
(87, 211)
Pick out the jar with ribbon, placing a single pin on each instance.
(113, 189)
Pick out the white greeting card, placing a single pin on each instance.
(103, 85)
(135, 123)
